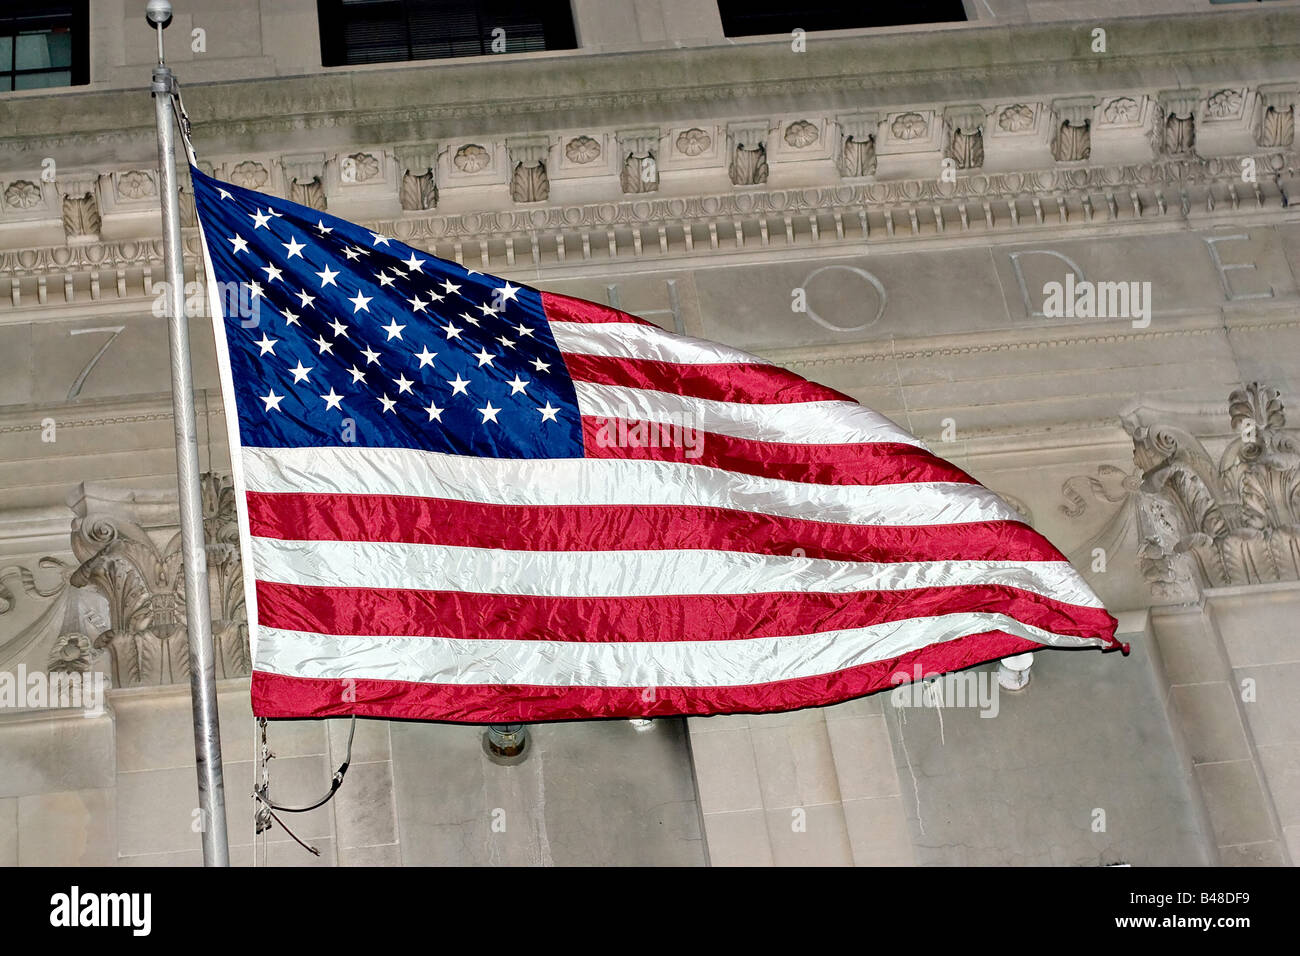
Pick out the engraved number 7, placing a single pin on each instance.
(117, 330)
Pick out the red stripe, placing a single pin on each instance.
(752, 383)
(859, 463)
(564, 308)
(278, 696)
(655, 618)
(323, 517)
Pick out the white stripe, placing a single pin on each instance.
(385, 564)
(800, 423)
(630, 340)
(611, 481)
(762, 660)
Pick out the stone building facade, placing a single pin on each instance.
(900, 213)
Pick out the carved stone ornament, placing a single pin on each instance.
(359, 168)
(250, 175)
(136, 184)
(1226, 520)
(1122, 110)
(1224, 104)
(471, 158)
(582, 150)
(908, 126)
(1016, 119)
(144, 585)
(23, 194)
(1276, 127)
(967, 149)
(1072, 143)
(801, 134)
(529, 183)
(693, 142)
(418, 190)
(310, 193)
(858, 157)
(748, 166)
(640, 174)
(1180, 135)
(81, 219)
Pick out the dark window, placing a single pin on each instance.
(43, 44)
(382, 31)
(743, 18)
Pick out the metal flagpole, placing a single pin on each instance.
(198, 617)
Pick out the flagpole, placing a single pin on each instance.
(198, 616)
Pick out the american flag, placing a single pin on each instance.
(464, 499)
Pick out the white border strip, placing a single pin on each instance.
(234, 442)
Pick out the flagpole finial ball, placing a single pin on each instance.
(158, 13)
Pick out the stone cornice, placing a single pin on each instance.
(815, 220)
(419, 101)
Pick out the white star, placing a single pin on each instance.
(272, 400)
(508, 343)
(541, 366)
(239, 242)
(332, 400)
(327, 277)
(508, 292)
(403, 384)
(426, 357)
(357, 375)
(393, 329)
(489, 414)
(323, 345)
(388, 403)
(487, 310)
(459, 385)
(224, 194)
(518, 385)
(377, 240)
(294, 247)
(277, 215)
(384, 278)
(549, 413)
(290, 318)
(413, 264)
(267, 344)
(469, 318)
(323, 229)
(260, 220)
(351, 253)
(254, 289)
(471, 272)
(272, 273)
(452, 331)
(435, 296)
(360, 303)
(450, 286)
(371, 357)
(525, 330)
(304, 298)
(435, 413)
(300, 373)
(418, 304)
(483, 357)
(339, 329)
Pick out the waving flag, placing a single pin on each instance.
(463, 499)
